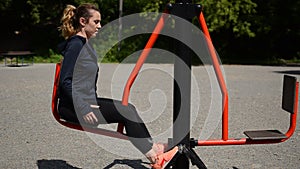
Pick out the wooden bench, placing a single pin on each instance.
(18, 54)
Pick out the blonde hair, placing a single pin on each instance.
(67, 28)
(70, 19)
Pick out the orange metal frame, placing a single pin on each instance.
(223, 141)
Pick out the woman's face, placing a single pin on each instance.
(93, 25)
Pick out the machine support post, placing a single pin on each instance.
(182, 89)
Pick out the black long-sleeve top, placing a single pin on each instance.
(78, 77)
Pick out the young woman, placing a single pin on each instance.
(77, 88)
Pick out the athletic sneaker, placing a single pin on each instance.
(164, 159)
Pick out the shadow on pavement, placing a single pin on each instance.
(292, 72)
(54, 164)
(136, 164)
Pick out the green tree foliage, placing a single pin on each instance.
(277, 35)
(242, 30)
(278, 28)
(230, 14)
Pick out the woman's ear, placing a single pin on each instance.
(82, 21)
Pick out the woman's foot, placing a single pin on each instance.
(151, 156)
(162, 160)
(157, 149)
(160, 148)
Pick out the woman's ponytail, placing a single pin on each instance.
(67, 21)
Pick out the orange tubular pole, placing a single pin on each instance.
(293, 122)
(219, 75)
(143, 57)
(222, 142)
(241, 141)
(55, 94)
(159, 26)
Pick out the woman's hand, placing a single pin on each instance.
(90, 118)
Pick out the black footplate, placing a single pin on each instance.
(265, 135)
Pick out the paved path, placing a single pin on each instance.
(31, 138)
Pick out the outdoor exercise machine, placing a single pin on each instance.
(182, 95)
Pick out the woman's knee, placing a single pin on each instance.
(131, 114)
(132, 107)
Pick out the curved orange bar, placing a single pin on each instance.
(241, 141)
(54, 92)
(74, 125)
(293, 120)
(244, 141)
(141, 61)
(143, 57)
(219, 75)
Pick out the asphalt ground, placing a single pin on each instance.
(31, 138)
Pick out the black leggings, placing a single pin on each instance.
(112, 111)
